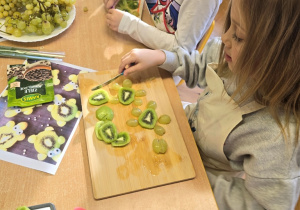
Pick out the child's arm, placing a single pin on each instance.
(190, 67)
(194, 19)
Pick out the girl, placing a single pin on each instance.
(186, 23)
(246, 122)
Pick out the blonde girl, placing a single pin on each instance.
(246, 122)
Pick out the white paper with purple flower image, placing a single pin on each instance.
(36, 137)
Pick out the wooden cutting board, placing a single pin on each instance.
(116, 171)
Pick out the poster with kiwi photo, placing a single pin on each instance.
(38, 136)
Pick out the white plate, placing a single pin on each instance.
(36, 38)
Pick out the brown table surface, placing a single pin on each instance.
(90, 43)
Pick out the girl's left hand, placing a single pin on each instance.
(113, 18)
(141, 59)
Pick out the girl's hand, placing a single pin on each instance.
(110, 3)
(141, 59)
(113, 18)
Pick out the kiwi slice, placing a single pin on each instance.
(148, 118)
(108, 132)
(122, 140)
(126, 95)
(105, 113)
(99, 97)
(97, 128)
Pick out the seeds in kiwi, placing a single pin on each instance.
(122, 140)
(138, 102)
(99, 97)
(164, 119)
(105, 113)
(126, 95)
(132, 122)
(127, 83)
(108, 132)
(151, 105)
(136, 111)
(159, 146)
(140, 93)
(159, 130)
(148, 118)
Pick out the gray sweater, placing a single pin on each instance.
(255, 147)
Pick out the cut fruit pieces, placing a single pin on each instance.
(126, 95)
(99, 97)
(122, 140)
(148, 118)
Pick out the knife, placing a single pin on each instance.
(107, 82)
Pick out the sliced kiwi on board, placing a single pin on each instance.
(99, 97)
(126, 95)
(97, 128)
(122, 140)
(105, 113)
(148, 118)
(108, 132)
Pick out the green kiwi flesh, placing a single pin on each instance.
(99, 97)
(97, 128)
(105, 113)
(108, 132)
(126, 95)
(122, 139)
(148, 118)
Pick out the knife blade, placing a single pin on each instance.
(107, 82)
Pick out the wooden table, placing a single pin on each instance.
(90, 43)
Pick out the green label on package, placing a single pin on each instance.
(30, 84)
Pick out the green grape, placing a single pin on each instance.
(140, 93)
(159, 130)
(136, 111)
(132, 122)
(152, 105)
(6, 7)
(9, 29)
(29, 6)
(39, 31)
(164, 119)
(46, 27)
(17, 32)
(1, 8)
(127, 83)
(138, 101)
(115, 86)
(31, 28)
(114, 100)
(159, 146)
(21, 25)
(1, 15)
(63, 24)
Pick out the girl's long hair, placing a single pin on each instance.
(269, 62)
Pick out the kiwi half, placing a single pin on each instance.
(105, 113)
(122, 140)
(148, 118)
(99, 97)
(108, 132)
(126, 95)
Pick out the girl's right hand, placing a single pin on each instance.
(110, 3)
(141, 59)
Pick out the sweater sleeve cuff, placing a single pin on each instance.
(171, 62)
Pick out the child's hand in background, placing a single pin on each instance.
(113, 18)
(141, 59)
(109, 4)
